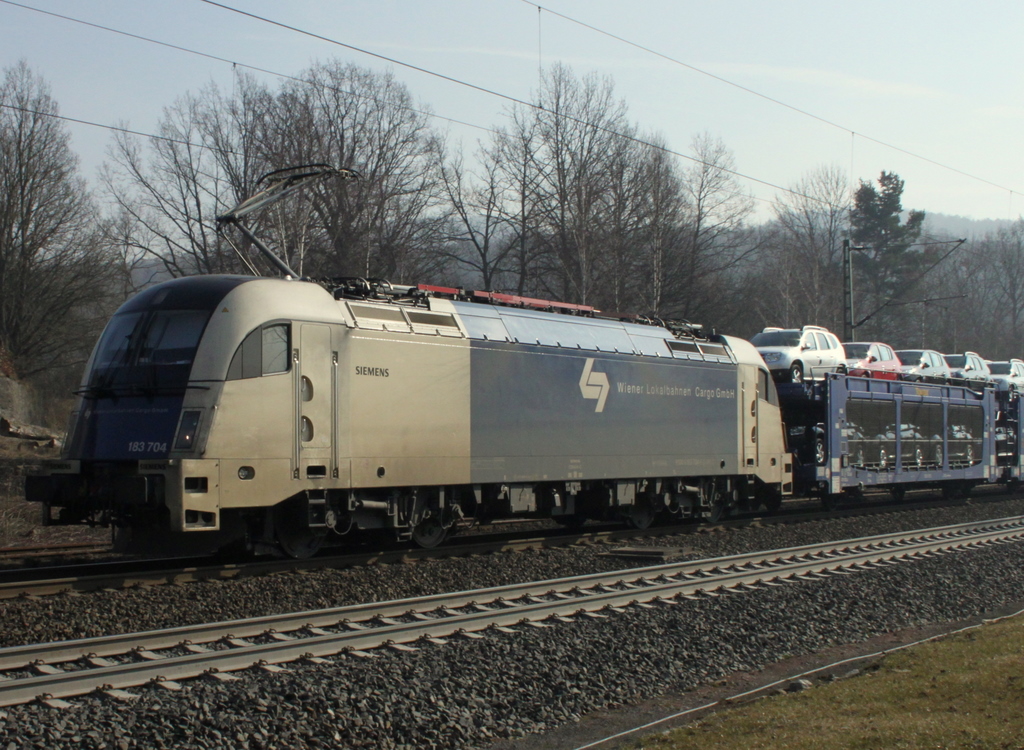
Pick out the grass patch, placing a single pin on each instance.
(966, 691)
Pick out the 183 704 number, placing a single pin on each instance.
(141, 446)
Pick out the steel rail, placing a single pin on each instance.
(122, 575)
(435, 617)
(246, 628)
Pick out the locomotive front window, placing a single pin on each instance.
(172, 337)
(152, 351)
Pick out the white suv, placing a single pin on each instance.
(793, 354)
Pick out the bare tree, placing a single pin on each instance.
(516, 168)
(660, 235)
(580, 128)
(802, 265)
(714, 238)
(206, 159)
(391, 222)
(54, 274)
(480, 237)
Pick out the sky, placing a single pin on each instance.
(932, 91)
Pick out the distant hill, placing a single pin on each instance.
(961, 226)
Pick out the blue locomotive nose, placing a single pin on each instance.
(133, 393)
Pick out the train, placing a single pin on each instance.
(286, 414)
(283, 415)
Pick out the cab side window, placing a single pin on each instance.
(263, 352)
(765, 388)
(275, 349)
(808, 342)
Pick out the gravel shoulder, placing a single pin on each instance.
(509, 690)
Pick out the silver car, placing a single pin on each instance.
(1008, 376)
(925, 365)
(793, 354)
(968, 369)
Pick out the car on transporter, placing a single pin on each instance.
(871, 359)
(968, 369)
(924, 365)
(1008, 375)
(796, 354)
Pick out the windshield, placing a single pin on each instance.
(910, 357)
(148, 350)
(776, 338)
(956, 360)
(856, 351)
(999, 368)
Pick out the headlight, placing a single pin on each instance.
(770, 357)
(187, 429)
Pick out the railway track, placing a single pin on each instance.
(85, 577)
(54, 671)
(54, 550)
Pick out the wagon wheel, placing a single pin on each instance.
(831, 501)
(820, 456)
(898, 493)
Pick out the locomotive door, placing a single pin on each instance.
(748, 415)
(315, 387)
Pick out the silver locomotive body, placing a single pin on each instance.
(219, 408)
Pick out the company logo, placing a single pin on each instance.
(594, 385)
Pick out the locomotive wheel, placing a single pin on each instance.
(295, 539)
(769, 498)
(571, 522)
(429, 532)
(719, 511)
(641, 515)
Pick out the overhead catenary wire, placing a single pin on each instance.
(394, 61)
(482, 89)
(506, 97)
(761, 95)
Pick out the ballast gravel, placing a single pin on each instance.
(471, 693)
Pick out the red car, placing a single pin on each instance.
(871, 359)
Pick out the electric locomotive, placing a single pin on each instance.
(287, 413)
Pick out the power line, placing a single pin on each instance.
(447, 78)
(761, 95)
(115, 128)
(492, 92)
(216, 58)
(394, 61)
